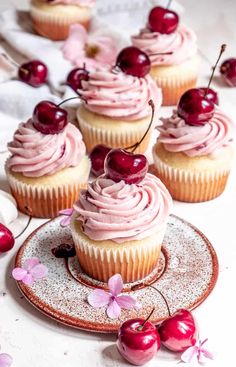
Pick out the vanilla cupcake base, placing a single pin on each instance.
(134, 260)
(98, 129)
(193, 179)
(174, 80)
(45, 196)
(54, 21)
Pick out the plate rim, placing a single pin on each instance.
(81, 324)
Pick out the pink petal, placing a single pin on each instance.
(65, 221)
(39, 271)
(30, 263)
(126, 302)
(99, 298)
(69, 211)
(19, 273)
(74, 47)
(115, 284)
(107, 50)
(207, 354)
(5, 360)
(189, 354)
(113, 310)
(28, 279)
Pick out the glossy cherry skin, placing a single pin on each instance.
(121, 165)
(7, 240)
(163, 20)
(195, 108)
(178, 332)
(33, 73)
(132, 61)
(138, 347)
(210, 94)
(97, 156)
(228, 71)
(48, 118)
(75, 78)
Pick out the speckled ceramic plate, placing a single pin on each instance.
(185, 276)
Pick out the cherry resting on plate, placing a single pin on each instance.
(228, 71)
(7, 240)
(33, 73)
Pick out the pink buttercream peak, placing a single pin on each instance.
(122, 212)
(182, 43)
(35, 154)
(89, 3)
(112, 93)
(177, 136)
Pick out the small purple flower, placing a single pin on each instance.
(113, 300)
(31, 271)
(5, 360)
(67, 214)
(197, 351)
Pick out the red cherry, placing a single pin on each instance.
(132, 61)
(6, 239)
(48, 118)
(97, 156)
(163, 20)
(33, 73)
(209, 94)
(138, 343)
(179, 331)
(195, 108)
(75, 78)
(121, 165)
(228, 71)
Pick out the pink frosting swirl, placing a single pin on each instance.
(35, 154)
(122, 212)
(182, 43)
(177, 136)
(89, 3)
(113, 93)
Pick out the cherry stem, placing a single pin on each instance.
(140, 328)
(169, 3)
(27, 225)
(68, 99)
(162, 53)
(222, 50)
(8, 58)
(136, 145)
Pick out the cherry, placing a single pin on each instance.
(209, 94)
(49, 118)
(228, 71)
(7, 240)
(163, 20)
(33, 73)
(179, 331)
(97, 156)
(64, 251)
(75, 78)
(132, 61)
(138, 341)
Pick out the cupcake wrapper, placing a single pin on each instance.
(133, 263)
(43, 201)
(53, 27)
(189, 186)
(115, 139)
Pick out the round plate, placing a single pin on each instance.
(185, 276)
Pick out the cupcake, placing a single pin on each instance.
(118, 226)
(192, 157)
(48, 166)
(53, 18)
(172, 48)
(115, 108)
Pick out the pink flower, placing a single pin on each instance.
(198, 351)
(5, 360)
(81, 48)
(32, 271)
(67, 214)
(113, 300)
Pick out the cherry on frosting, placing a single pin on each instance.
(48, 118)
(132, 61)
(228, 71)
(97, 157)
(210, 94)
(163, 20)
(34, 73)
(6, 239)
(75, 78)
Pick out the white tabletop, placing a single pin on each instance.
(34, 340)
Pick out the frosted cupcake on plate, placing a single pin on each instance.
(172, 48)
(48, 166)
(53, 18)
(193, 154)
(115, 107)
(120, 220)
